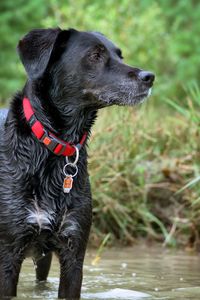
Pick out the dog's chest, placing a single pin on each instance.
(52, 216)
(41, 219)
(46, 217)
(50, 230)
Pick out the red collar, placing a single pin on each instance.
(53, 143)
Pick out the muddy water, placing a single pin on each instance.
(137, 273)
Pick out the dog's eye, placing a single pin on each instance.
(95, 56)
(119, 53)
(97, 53)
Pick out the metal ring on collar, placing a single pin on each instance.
(72, 165)
(76, 158)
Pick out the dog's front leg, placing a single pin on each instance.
(10, 265)
(70, 276)
(74, 237)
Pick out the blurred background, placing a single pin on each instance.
(144, 161)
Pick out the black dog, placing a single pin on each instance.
(44, 206)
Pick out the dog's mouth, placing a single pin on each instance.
(142, 97)
(122, 96)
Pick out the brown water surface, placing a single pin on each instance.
(136, 273)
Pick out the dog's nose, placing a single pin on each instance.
(147, 77)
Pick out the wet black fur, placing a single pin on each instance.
(71, 75)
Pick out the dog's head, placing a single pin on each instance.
(85, 67)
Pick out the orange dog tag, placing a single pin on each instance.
(67, 184)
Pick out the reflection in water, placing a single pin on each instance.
(136, 273)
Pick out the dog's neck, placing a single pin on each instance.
(69, 125)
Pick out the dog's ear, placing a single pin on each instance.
(36, 48)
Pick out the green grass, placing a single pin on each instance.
(143, 165)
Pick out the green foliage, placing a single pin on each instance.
(191, 112)
(137, 167)
(17, 18)
(190, 109)
(184, 27)
(162, 36)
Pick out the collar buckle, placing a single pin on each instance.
(51, 142)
